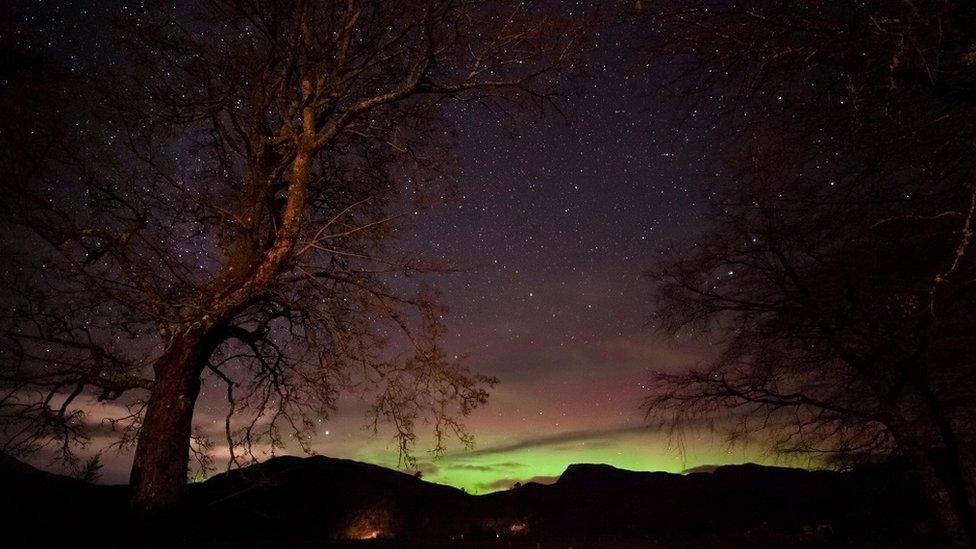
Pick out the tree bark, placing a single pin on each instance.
(159, 470)
(925, 465)
(940, 497)
(967, 470)
(158, 476)
(960, 460)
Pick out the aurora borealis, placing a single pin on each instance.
(550, 230)
(488, 273)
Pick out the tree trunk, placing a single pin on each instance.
(960, 459)
(163, 448)
(159, 470)
(940, 497)
(967, 469)
(925, 465)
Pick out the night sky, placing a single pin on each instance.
(552, 229)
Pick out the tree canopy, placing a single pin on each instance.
(219, 203)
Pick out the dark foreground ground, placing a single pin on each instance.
(324, 502)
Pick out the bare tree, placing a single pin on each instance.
(837, 272)
(218, 205)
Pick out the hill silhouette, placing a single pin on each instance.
(290, 500)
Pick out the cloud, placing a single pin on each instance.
(487, 466)
(506, 483)
(598, 444)
(426, 468)
(701, 469)
(586, 435)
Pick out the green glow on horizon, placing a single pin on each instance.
(480, 472)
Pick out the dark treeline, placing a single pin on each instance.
(838, 270)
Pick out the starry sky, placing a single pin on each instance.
(557, 225)
(551, 229)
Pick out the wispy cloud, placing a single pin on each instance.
(558, 439)
(487, 466)
(701, 469)
(505, 483)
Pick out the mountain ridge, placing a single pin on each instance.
(319, 499)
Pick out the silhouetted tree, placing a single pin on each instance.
(837, 271)
(217, 202)
(92, 469)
